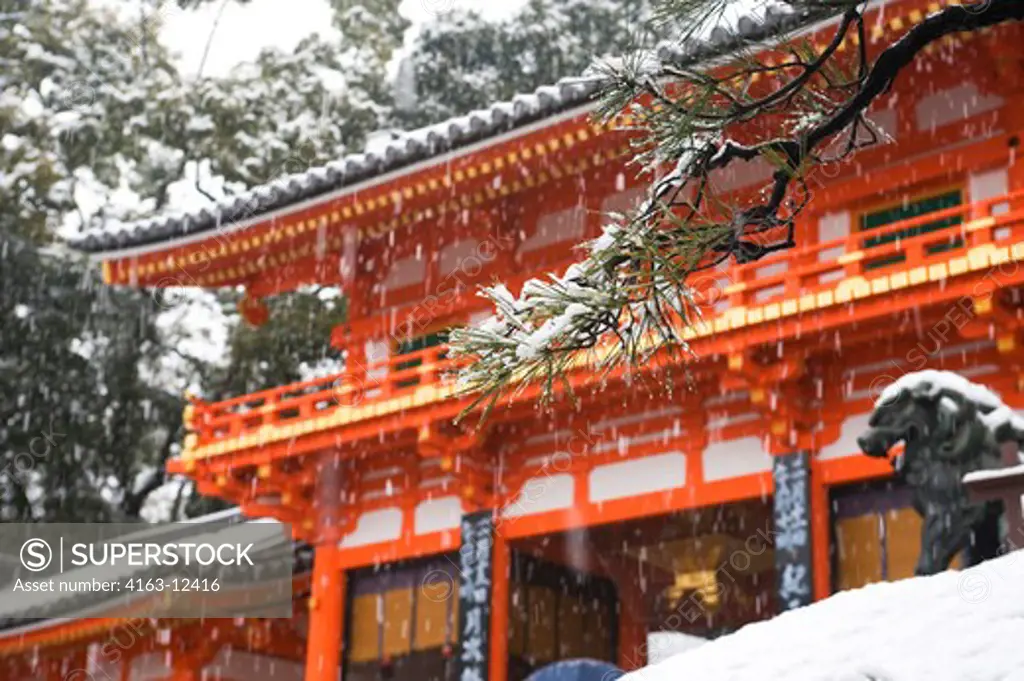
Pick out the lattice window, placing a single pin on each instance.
(908, 210)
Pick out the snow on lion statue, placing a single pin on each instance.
(949, 427)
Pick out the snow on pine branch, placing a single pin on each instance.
(628, 297)
(625, 291)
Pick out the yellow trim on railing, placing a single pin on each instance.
(739, 287)
(858, 287)
(980, 223)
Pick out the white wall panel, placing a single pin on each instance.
(638, 476)
(374, 527)
(734, 458)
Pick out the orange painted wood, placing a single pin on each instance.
(656, 503)
(855, 469)
(417, 546)
(500, 611)
(326, 617)
(821, 534)
(902, 542)
(313, 399)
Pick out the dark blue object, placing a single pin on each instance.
(577, 670)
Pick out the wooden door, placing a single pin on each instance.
(902, 542)
(859, 551)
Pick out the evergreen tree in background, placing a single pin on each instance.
(462, 62)
(283, 114)
(290, 347)
(287, 112)
(82, 433)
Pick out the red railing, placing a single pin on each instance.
(376, 381)
(819, 266)
(784, 276)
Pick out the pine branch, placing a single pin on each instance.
(628, 298)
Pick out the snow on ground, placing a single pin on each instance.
(956, 626)
(661, 645)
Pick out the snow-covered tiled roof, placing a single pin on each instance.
(408, 148)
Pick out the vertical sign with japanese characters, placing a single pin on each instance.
(475, 558)
(792, 530)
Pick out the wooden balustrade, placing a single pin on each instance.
(849, 256)
(799, 271)
(397, 376)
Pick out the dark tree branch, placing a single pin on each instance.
(631, 286)
(952, 19)
(878, 80)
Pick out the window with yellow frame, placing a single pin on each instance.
(405, 611)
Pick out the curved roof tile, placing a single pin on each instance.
(410, 147)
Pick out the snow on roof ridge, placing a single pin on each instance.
(748, 23)
(213, 517)
(995, 473)
(405, 148)
(454, 126)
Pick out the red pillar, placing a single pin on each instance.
(79, 660)
(502, 557)
(821, 535)
(327, 600)
(59, 667)
(326, 615)
(54, 671)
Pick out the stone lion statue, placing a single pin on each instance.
(949, 427)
